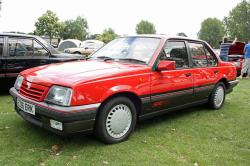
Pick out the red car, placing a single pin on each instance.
(129, 79)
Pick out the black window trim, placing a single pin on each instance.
(154, 68)
(204, 46)
(3, 51)
(22, 37)
(211, 53)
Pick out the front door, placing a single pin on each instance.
(24, 53)
(174, 87)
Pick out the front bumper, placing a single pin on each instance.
(74, 119)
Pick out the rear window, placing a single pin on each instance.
(201, 56)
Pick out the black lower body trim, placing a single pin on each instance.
(164, 111)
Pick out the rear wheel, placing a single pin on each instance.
(116, 120)
(217, 97)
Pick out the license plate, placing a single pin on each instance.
(26, 107)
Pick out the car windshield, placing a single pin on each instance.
(48, 46)
(133, 49)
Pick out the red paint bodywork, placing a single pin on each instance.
(94, 81)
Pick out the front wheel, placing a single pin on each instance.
(116, 120)
(217, 97)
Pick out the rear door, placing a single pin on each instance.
(24, 53)
(205, 69)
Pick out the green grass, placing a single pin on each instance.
(195, 135)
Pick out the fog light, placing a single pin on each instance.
(56, 125)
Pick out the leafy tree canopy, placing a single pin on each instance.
(238, 22)
(212, 31)
(48, 24)
(107, 35)
(75, 29)
(145, 27)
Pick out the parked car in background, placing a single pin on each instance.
(236, 55)
(69, 43)
(87, 47)
(130, 78)
(19, 52)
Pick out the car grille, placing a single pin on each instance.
(33, 91)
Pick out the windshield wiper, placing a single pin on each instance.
(105, 58)
(132, 60)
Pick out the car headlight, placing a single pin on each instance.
(237, 64)
(18, 82)
(59, 95)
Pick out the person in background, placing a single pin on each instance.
(245, 72)
(224, 48)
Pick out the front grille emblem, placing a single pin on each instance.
(28, 85)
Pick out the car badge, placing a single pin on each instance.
(28, 85)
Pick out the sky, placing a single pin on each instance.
(168, 16)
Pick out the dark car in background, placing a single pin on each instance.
(19, 52)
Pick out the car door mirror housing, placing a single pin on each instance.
(166, 65)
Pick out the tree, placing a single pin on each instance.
(107, 35)
(92, 36)
(238, 22)
(48, 24)
(145, 27)
(212, 31)
(75, 29)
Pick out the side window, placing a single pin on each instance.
(25, 47)
(212, 61)
(1, 46)
(176, 51)
(199, 58)
(39, 50)
(13, 47)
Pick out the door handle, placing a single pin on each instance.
(216, 71)
(188, 74)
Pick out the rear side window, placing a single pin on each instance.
(201, 56)
(212, 61)
(176, 51)
(1, 46)
(25, 47)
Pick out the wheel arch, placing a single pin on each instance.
(77, 52)
(135, 99)
(225, 82)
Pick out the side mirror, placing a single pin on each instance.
(166, 65)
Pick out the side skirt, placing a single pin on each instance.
(167, 110)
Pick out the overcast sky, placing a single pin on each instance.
(168, 16)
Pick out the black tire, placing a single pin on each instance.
(105, 111)
(212, 98)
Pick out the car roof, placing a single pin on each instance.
(17, 35)
(163, 36)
